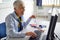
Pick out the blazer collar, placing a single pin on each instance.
(15, 16)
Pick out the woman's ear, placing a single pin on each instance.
(14, 8)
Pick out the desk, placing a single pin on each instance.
(41, 22)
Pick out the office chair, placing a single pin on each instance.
(2, 30)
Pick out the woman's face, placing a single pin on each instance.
(20, 10)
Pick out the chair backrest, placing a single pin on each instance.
(2, 30)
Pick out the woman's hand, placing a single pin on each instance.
(32, 34)
(33, 16)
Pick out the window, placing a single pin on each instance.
(51, 2)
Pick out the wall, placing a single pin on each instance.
(5, 9)
(28, 8)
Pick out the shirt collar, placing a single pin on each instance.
(16, 17)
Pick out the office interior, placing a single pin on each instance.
(42, 11)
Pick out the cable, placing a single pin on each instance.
(57, 36)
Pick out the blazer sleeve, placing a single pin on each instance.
(26, 23)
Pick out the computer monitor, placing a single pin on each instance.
(50, 35)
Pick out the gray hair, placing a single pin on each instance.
(17, 3)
